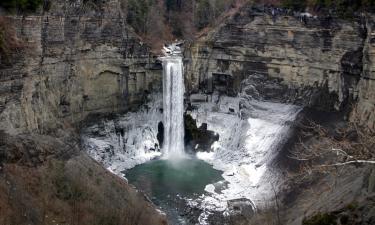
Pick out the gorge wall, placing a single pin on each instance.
(78, 58)
(326, 63)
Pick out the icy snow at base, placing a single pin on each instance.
(127, 141)
(249, 140)
(245, 148)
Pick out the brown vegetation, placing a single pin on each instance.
(64, 187)
(9, 43)
(346, 145)
(163, 21)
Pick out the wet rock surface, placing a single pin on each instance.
(240, 212)
(198, 138)
(262, 87)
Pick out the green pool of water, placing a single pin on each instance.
(167, 182)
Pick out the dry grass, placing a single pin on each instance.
(69, 193)
(72, 190)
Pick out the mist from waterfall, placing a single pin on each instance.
(173, 107)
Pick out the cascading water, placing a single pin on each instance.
(173, 104)
(251, 133)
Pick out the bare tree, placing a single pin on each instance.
(321, 149)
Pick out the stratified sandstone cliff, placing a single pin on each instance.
(74, 60)
(77, 59)
(365, 107)
(326, 63)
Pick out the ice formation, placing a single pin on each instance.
(245, 149)
(126, 141)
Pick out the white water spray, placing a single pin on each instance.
(173, 105)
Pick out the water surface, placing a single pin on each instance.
(168, 182)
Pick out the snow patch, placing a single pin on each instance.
(126, 141)
(206, 156)
(245, 148)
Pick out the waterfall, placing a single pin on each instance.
(173, 107)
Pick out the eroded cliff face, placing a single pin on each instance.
(365, 107)
(77, 59)
(325, 63)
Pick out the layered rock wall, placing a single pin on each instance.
(365, 107)
(323, 62)
(77, 58)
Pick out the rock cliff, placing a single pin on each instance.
(326, 63)
(78, 58)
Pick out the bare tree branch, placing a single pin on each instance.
(349, 162)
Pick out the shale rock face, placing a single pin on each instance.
(365, 108)
(325, 63)
(78, 58)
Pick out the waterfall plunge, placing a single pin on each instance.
(173, 107)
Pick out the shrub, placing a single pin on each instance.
(21, 5)
(109, 220)
(321, 219)
(207, 11)
(9, 44)
(2, 40)
(138, 11)
(66, 188)
(344, 8)
(295, 4)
